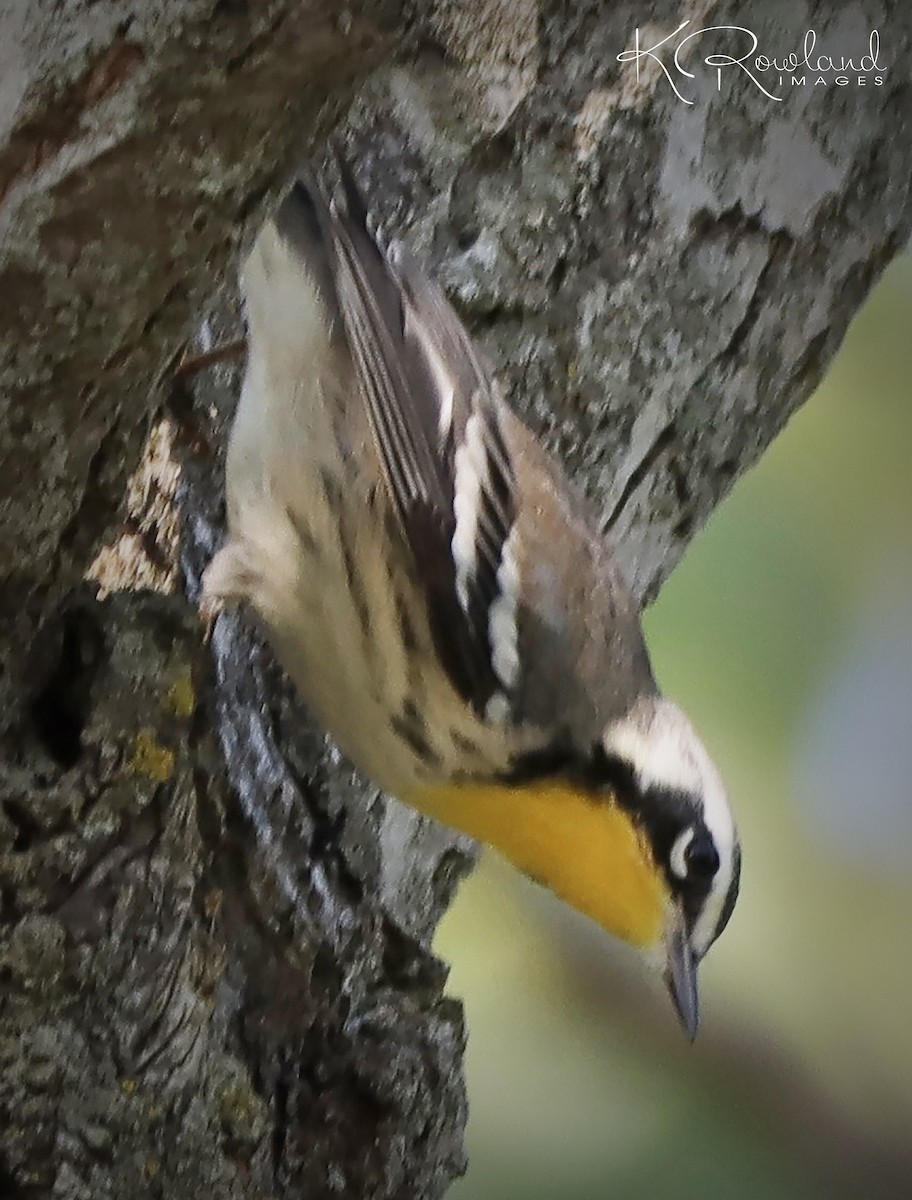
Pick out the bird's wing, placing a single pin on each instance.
(434, 415)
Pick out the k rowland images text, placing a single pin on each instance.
(772, 75)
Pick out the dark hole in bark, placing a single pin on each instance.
(58, 711)
(12, 1189)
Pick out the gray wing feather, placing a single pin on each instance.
(422, 384)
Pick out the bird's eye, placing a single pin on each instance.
(701, 857)
(693, 856)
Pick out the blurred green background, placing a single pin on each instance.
(787, 634)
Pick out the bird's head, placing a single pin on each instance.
(635, 831)
(665, 781)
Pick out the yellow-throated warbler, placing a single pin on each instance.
(438, 592)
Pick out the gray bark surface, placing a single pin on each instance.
(215, 974)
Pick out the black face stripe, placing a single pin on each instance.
(732, 894)
(600, 774)
(608, 772)
(663, 814)
(544, 762)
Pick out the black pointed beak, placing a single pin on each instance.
(681, 976)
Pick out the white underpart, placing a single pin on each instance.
(471, 475)
(662, 746)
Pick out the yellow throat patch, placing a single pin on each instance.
(584, 847)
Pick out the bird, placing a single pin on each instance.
(442, 597)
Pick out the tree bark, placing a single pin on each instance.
(214, 940)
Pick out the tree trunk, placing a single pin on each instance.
(215, 966)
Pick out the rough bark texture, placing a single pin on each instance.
(213, 940)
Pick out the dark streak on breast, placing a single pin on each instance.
(332, 491)
(406, 626)
(305, 537)
(463, 744)
(355, 590)
(409, 726)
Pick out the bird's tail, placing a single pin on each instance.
(287, 282)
